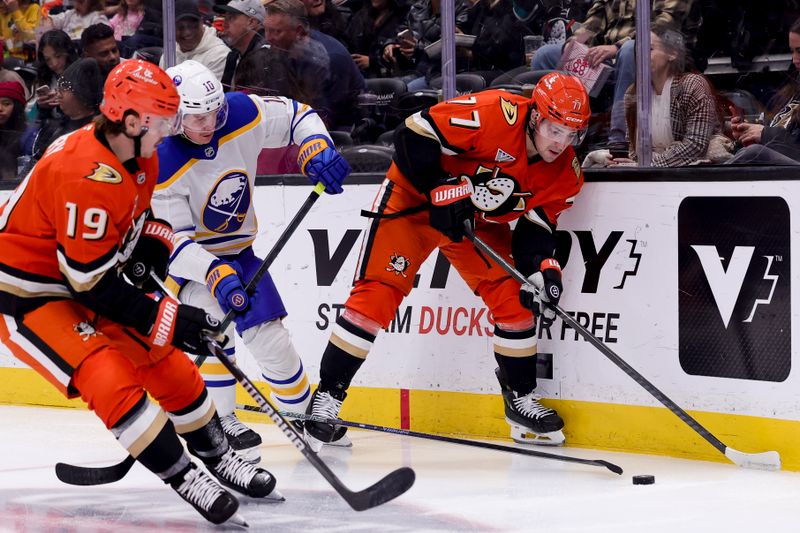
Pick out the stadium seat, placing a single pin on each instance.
(466, 83)
(150, 53)
(530, 77)
(368, 158)
(341, 138)
(409, 103)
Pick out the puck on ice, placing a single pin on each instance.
(644, 480)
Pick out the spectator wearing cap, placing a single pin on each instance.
(196, 40)
(80, 91)
(98, 42)
(243, 32)
(316, 56)
(12, 127)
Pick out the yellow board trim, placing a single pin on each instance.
(596, 425)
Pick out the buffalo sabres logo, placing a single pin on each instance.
(228, 203)
(85, 330)
(398, 264)
(496, 192)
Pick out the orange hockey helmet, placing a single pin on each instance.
(561, 99)
(141, 87)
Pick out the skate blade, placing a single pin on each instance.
(237, 520)
(526, 436)
(314, 443)
(344, 442)
(274, 496)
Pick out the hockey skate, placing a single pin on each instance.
(325, 405)
(530, 421)
(216, 504)
(340, 438)
(242, 439)
(235, 473)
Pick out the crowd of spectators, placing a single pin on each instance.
(330, 53)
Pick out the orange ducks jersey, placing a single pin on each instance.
(77, 214)
(482, 137)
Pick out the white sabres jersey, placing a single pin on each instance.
(206, 191)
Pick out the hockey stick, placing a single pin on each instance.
(441, 438)
(388, 488)
(319, 188)
(87, 475)
(763, 461)
(79, 475)
(391, 486)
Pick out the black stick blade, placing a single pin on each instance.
(87, 475)
(388, 488)
(611, 466)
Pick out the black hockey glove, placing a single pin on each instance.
(451, 206)
(543, 288)
(184, 327)
(151, 254)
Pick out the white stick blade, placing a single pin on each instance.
(760, 461)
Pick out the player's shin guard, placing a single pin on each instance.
(221, 387)
(530, 421)
(150, 436)
(344, 355)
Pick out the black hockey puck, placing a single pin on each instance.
(644, 480)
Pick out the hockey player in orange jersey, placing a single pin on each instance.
(78, 220)
(490, 158)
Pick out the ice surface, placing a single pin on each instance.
(458, 488)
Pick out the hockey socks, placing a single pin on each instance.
(346, 351)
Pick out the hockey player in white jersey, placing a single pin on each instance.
(205, 190)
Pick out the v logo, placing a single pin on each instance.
(725, 284)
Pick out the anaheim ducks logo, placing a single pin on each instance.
(398, 264)
(85, 330)
(105, 174)
(510, 111)
(495, 192)
(228, 203)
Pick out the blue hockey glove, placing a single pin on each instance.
(225, 283)
(320, 162)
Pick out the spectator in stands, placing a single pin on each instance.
(196, 40)
(368, 31)
(80, 92)
(243, 29)
(10, 75)
(98, 42)
(73, 21)
(127, 19)
(268, 72)
(316, 56)
(424, 21)
(18, 20)
(498, 44)
(609, 29)
(12, 127)
(324, 17)
(56, 53)
(149, 33)
(779, 142)
(684, 117)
